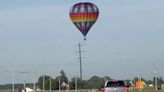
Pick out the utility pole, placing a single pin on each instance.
(59, 84)
(155, 79)
(43, 83)
(34, 86)
(13, 81)
(75, 83)
(80, 59)
(139, 77)
(24, 84)
(50, 84)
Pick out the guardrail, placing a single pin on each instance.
(80, 90)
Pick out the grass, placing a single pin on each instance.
(146, 90)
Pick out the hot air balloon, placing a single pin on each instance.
(84, 15)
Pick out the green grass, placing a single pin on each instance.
(146, 90)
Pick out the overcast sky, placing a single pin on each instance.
(37, 35)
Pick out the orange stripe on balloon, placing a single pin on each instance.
(83, 17)
(78, 17)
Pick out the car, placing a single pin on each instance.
(115, 86)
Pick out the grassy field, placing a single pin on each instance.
(146, 90)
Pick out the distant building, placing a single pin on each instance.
(27, 89)
(150, 85)
(162, 86)
(64, 86)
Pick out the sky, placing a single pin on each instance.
(39, 37)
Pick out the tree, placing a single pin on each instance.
(73, 81)
(97, 82)
(40, 81)
(149, 82)
(159, 81)
(54, 83)
(63, 77)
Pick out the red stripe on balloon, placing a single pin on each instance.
(83, 15)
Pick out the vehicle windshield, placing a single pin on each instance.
(115, 84)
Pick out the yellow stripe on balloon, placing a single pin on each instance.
(89, 9)
(82, 20)
(82, 8)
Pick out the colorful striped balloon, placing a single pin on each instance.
(84, 15)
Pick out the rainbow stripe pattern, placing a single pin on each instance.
(84, 15)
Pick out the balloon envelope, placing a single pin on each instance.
(84, 15)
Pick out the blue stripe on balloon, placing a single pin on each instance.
(79, 8)
(92, 7)
(86, 7)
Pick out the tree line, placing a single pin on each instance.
(95, 82)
